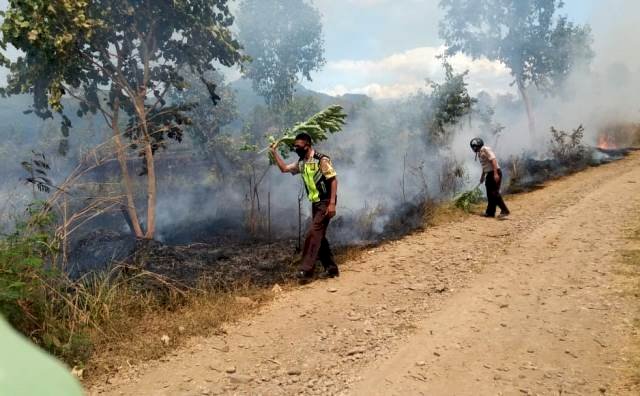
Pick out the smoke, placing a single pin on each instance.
(388, 166)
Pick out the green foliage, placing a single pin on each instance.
(526, 35)
(215, 108)
(64, 317)
(23, 258)
(567, 147)
(449, 102)
(319, 126)
(119, 59)
(134, 50)
(284, 40)
(467, 199)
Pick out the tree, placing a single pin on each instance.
(212, 113)
(216, 108)
(448, 103)
(117, 58)
(539, 47)
(284, 40)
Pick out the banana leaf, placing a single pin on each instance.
(319, 127)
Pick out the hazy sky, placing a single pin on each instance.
(387, 48)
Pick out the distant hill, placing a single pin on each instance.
(247, 99)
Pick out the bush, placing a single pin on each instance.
(73, 319)
(567, 148)
(36, 297)
(466, 200)
(23, 257)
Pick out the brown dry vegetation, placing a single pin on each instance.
(136, 322)
(135, 334)
(623, 135)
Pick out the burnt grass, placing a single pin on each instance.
(221, 267)
(534, 173)
(220, 264)
(196, 257)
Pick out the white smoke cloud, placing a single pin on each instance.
(405, 73)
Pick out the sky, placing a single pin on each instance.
(388, 48)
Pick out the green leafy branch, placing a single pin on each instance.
(465, 201)
(319, 127)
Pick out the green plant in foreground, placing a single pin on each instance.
(22, 266)
(35, 296)
(465, 201)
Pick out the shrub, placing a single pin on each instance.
(35, 296)
(23, 269)
(567, 148)
(466, 200)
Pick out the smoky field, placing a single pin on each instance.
(135, 136)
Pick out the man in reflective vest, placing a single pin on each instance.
(321, 183)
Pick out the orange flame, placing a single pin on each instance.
(605, 142)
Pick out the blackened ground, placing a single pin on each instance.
(222, 255)
(220, 266)
(98, 251)
(532, 173)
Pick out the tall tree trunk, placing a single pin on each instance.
(527, 104)
(151, 190)
(147, 48)
(126, 177)
(151, 170)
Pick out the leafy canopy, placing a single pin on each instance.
(284, 40)
(449, 102)
(112, 54)
(526, 35)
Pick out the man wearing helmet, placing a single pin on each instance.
(491, 176)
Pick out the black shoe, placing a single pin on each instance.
(304, 277)
(504, 215)
(329, 273)
(489, 216)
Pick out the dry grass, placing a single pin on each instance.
(623, 134)
(139, 321)
(447, 213)
(133, 323)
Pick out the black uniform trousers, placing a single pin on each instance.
(493, 195)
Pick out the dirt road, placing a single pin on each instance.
(537, 304)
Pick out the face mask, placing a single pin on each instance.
(302, 152)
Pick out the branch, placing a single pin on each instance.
(107, 117)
